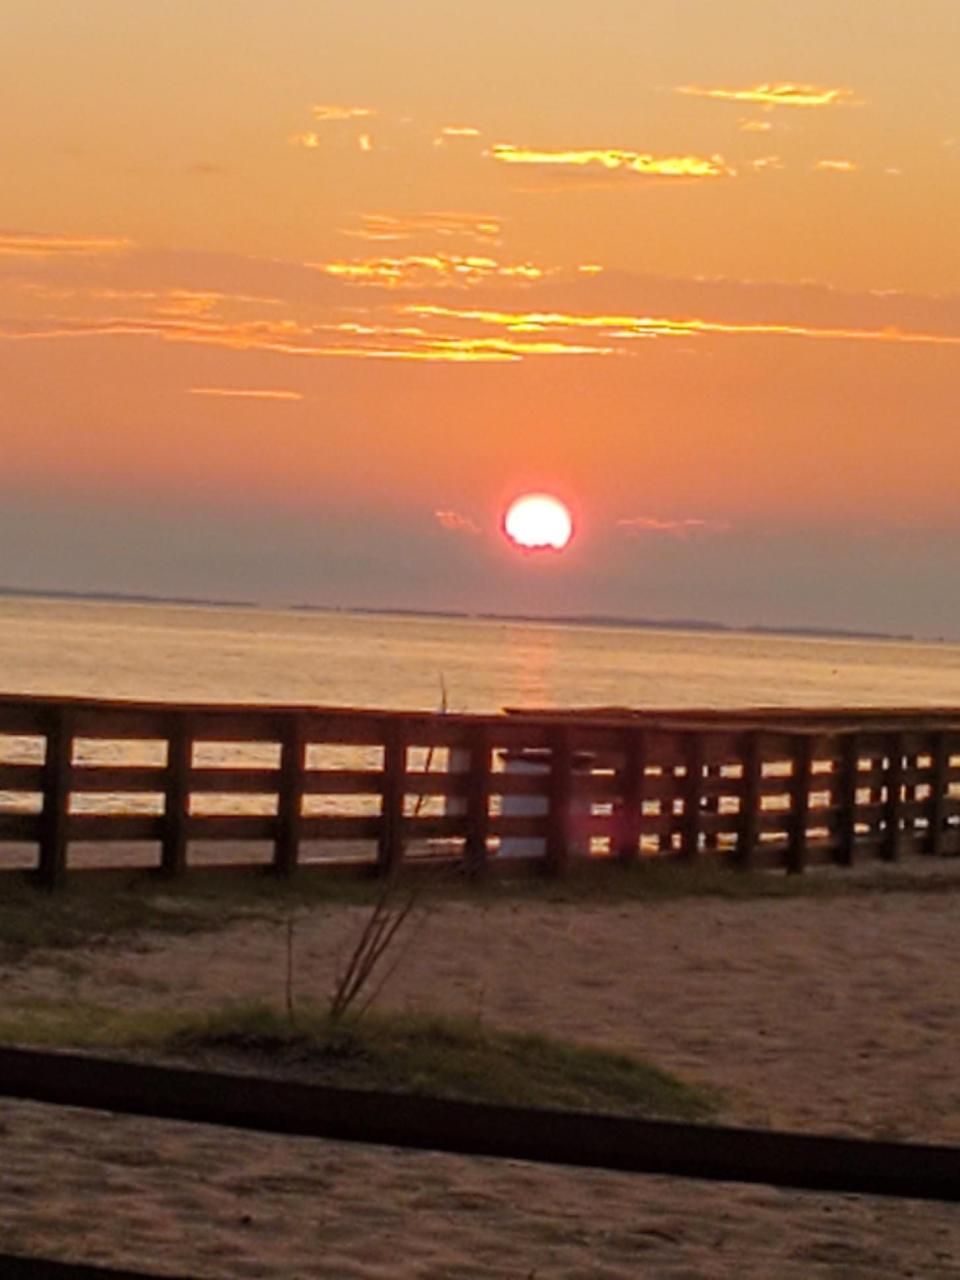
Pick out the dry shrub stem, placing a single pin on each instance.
(376, 937)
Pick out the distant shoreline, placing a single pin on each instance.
(454, 615)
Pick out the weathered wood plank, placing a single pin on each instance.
(893, 801)
(290, 796)
(478, 801)
(796, 851)
(938, 794)
(176, 802)
(560, 794)
(391, 842)
(21, 777)
(19, 827)
(748, 832)
(846, 799)
(99, 778)
(105, 827)
(631, 783)
(691, 825)
(57, 767)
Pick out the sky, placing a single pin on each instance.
(294, 298)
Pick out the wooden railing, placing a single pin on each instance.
(757, 788)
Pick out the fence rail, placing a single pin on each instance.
(755, 788)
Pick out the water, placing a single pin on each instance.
(250, 655)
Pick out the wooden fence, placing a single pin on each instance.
(756, 788)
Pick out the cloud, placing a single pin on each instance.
(437, 268)
(459, 131)
(331, 341)
(39, 245)
(774, 95)
(636, 326)
(310, 141)
(613, 159)
(332, 111)
(835, 166)
(689, 526)
(244, 393)
(504, 312)
(455, 522)
(387, 227)
(755, 126)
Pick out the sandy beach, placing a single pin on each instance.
(836, 1015)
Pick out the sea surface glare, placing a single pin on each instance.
(160, 652)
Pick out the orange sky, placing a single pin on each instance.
(283, 286)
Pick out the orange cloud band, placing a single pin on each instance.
(43, 246)
(627, 326)
(613, 159)
(774, 95)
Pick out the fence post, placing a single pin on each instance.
(846, 801)
(560, 798)
(893, 806)
(55, 816)
(692, 796)
(631, 792)
(176, 800)
(751, 795)
(796, 853)
(478, 801)
(290, 787)
(939, 782)
(390, 844)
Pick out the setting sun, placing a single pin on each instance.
(538, 522)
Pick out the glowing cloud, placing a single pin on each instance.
(627, 326)
(25, 244)
(640, 526)
(332, 111)
(387, 227)
(244, 393)
(755, 126)
(454, 522)
(835, 166)
(441, 268)
(459, 131)
(613, 159)
(774, 95)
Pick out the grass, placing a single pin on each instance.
(104, 908)
(440, 1057)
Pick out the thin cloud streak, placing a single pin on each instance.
(244, 393)
(774, 95)
(389, 227)
(438, 268)
(333, 111)
(690, 526)
(454, 522)
(631, 326)
(288, 338)
(613, 159)
(39, 245)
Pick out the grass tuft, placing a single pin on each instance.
(411, 1053)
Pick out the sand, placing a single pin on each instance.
(830, 1015)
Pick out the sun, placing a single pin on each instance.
(538, 522)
